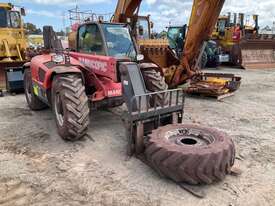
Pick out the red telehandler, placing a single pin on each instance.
(106, 70)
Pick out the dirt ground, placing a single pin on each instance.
(38, 168)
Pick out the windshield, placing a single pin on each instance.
(221, 25)
(175, 37)
(3, 18)
(118, 40)
(14, 19)
(9, 19)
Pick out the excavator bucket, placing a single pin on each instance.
(258, 52)
(158, 52)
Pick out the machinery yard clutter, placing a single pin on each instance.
(13, 46)
(241, 44)
(106, 70)
(186, 67)
(176, 38)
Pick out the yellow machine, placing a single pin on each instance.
(241, 44)
(12, 40)
(35, 40)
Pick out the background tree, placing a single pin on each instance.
(32, 29)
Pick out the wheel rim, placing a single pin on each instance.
(59, 109)
(189, 137)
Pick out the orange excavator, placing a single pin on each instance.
(178, 71)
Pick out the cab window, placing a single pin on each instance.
(221, 25)
(14, 19)
(90, 40)
(3, 18)
(143, 25)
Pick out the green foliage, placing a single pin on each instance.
(32, 29)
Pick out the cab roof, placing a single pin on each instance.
(7, 6)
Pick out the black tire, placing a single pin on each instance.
(236, 55)
(213, 62)
(203, 158)
(33, 101)
(155, 82)
(204, 60)
(70, 106)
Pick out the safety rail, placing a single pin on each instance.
(141, 107)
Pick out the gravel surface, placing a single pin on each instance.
(39, 168)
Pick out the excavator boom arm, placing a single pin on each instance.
(202, 21)
(125, 9)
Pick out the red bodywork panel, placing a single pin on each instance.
(98, 71)
(101, 65)
(103, 74)
(38, 62)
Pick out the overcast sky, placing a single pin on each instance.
(163, 12)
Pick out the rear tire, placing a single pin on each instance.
(236, 55)
(155, 82)
(190, 153)
(70, 106)
(33, 101)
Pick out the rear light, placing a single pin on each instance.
(236, 36)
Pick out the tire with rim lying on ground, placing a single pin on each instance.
(33, 101)
(70, 106)
(190, 153)
(155, 82)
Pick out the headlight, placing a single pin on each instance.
(58, 58)
(140, 57)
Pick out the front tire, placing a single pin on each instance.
(70, 106)
(155, 82)
(236, 55)
(33, 101)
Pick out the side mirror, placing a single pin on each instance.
(101, 18)
(140, 30)
(23, 12)
(151, 24)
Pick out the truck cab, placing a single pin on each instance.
(12, 34)
(13, 45)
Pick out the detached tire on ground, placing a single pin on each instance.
(70, 106)
(190, 153)
(155, 82)
(33, 101)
